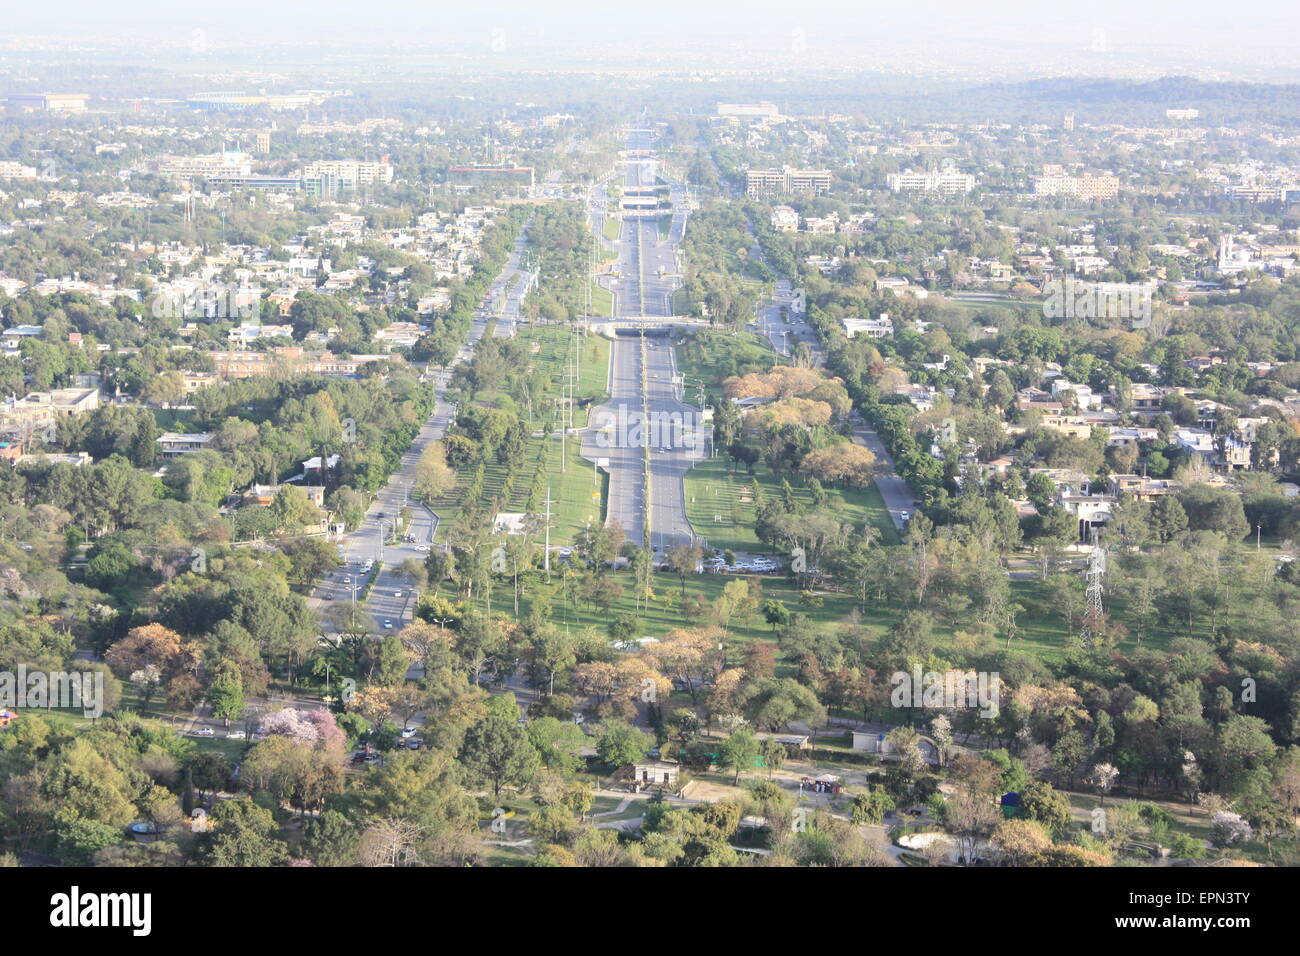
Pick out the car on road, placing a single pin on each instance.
(388, 625)
(397, 594)
(904, 516)
(237, 735)
(422, 548)
(203, 732)
(408, 732)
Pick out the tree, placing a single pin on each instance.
(497, 750)
(1102, 777)
(621, 744)
(1020, 842)
(970, 817)
(682, 560)
(739, 752)
(1042, 802)
(149, 644)
(242, 834)
(226, 693)
(433, 476)
(558, 743)
(293, 509)
(871, 807)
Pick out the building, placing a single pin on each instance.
(37, 409)
(262, 144)
(174, 444)
(651, 773)
(468, 177)
(1088, 188)
(251, 181)
(264, 495)
(1182, 114)
(775, 182)
(868, 328)
(49, 102)
(946, 183)
(12, 170)
(327, 177)
(785, 219)
(228, 163)
(763, 109)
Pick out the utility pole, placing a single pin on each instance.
(1093, 611)
(546, 554)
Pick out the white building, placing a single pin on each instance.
(947, 183)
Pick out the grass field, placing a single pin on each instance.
(1042, 631)
(720, 504)
(602, 300)
(568, 476)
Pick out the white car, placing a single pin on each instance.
(408, 733)
(237, 735)
(203, 732)
(388, 625)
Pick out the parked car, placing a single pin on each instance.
(237, 735)
(408, 732)
(388, 625)
(203, 732)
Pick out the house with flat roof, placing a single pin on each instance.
(173, 444)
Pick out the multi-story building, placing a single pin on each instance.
(467, 177)
(12, 170)
(774, 182)
(785, 219)
(1090, 188)
(228, 163)
(748, 109)
(868, 328)
(174, 444)
(947, 182)
(50, 102)
(327, 176)
(39, 409)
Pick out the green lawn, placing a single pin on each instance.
(602, 300)
(720, 504)
(566, 473)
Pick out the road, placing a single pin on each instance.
(779, 320)
(611, 447)
(392, 600)
(784, 325)
(506, 296)
(646, 274)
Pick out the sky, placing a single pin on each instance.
(1160, 36)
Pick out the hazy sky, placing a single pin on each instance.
(1131, 33)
